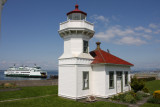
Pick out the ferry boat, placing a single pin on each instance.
(26, 72)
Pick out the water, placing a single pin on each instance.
(49, 72)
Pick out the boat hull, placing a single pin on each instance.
(26, 76)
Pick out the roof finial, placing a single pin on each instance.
(98, 45)
(76, 6)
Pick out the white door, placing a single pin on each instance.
(119, 85)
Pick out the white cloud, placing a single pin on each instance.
(100, 18)
(157, 31)
(130, 41)
(125, 35)
(147, 36)
(128, 36)
(140, 28)
(154, 26)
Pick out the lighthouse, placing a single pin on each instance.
(82, 73)
(74, 63)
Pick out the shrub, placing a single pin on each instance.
(156, 94)
(148, 79)
(132, 93)
(145, 90)
(139, 96)
(121, 96)
(129, 98)
(136, 84)
(153, 100)
(115, 97)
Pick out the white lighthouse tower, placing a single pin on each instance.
(2, 2)
(74, 63)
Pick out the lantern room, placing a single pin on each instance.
(76, 14)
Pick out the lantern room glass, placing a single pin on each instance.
(76, 16)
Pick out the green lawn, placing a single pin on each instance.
(29, 92)
(48, 101)
(153, 85)
(51, 101)
(55, 101)
(150, 105)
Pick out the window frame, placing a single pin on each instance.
(81, 16)
(111, 72)
(83, 73)
(84, 51)
(126, 79)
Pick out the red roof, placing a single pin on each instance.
(76, 10)
(101, 56)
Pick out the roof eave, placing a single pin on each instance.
(111, 64)
(76, 12)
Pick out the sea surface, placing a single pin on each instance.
(49, 73)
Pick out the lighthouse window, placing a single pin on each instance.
(85, 46)
(85, 80)
(70, 16)
(82, 17)
(76, 16)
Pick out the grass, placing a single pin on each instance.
(1, 87)
(55, 101)
(150, 105)
(29, 92)
(48, 101)
(153, 85)
(51, 101)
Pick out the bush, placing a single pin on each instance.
(145, 90)
(132, 93)
(156, 94)
(129, 98)
(153, 100)
(121, 96)
(148, 79)
(136, 84)
(139, 96)
(115, 97)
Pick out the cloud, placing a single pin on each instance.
(130, 41)
(157, 31)
(154, 26)
(100, 18)
(127, 36)
(140, 28)
(147, 36)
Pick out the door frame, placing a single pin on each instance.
(121, 80)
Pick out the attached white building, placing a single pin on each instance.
(83, 73)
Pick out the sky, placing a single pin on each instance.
(130, 29)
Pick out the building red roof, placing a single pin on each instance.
(76, 10)
(102, 57)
